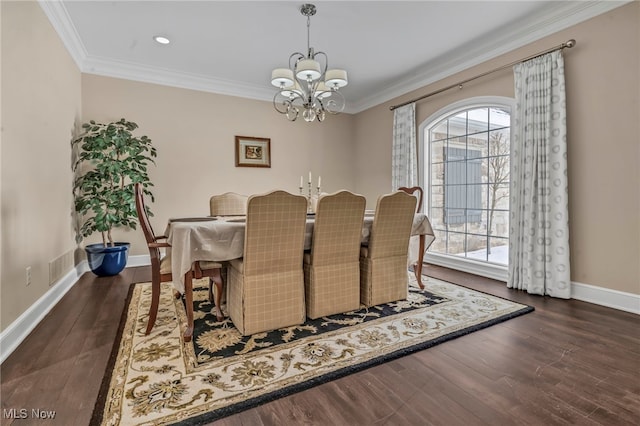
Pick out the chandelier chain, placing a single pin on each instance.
(308, 36)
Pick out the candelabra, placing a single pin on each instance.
(309, 195)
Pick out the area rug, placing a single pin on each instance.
(158, 379)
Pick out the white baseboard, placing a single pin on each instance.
(483, 269)
(140, 260)
(620, 300)
(19, 329)
(602, 296)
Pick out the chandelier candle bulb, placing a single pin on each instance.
(301, 182)
(319, 180)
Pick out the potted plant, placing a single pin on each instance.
(109, 161)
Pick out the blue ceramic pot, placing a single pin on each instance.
(107, 261)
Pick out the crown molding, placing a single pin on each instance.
(61, 22)
(147, 74)
(566, 14)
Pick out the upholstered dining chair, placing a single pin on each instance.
(331, 267)
(228, 204)
(266, 286)
(415, 191)
(383, 261)
(161, 265)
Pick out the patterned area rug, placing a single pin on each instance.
(157, 379)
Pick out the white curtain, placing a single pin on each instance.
(404, 160)
(539, 225)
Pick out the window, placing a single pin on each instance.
(462, 202)
(466, 175)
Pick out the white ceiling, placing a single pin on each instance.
(230, 47)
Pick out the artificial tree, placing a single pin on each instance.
(110, 161)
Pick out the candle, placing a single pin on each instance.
(309, 177)
(300, 181)
(319, 180)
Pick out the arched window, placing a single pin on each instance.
(465, 172)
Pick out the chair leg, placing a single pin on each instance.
(217, 279)
(418, 266)
(188, 300)
(155, 302)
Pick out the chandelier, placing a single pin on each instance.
(307, 84)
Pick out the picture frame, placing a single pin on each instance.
(253, 152)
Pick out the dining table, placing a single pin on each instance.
(221, 238)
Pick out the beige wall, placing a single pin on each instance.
(40, 106)
(602, 74)
(43, 91)
(194, 133)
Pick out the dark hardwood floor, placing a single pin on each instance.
(568, 362)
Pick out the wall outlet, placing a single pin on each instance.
(28, 277)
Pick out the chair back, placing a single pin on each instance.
(415, 191)
(274, 234)
(338, 229)
(143, 214)
(145, 224)
(228, 204)
(392, 223)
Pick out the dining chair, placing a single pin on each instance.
(415, 242)
(415, 191)
(331, 267)
(161, 265)
(266, 286)
(228, 204)
(383, 261)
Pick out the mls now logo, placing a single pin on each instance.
(14, 413)
(23, 413)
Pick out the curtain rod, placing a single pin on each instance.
(569, 44)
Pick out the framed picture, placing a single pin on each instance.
(253, 152)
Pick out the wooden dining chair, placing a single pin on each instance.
(266, 286)
(415, 242)
(415, 191)
(161, 265)
(331, 267)
(383, 261)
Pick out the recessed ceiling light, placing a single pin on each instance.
(161, 39)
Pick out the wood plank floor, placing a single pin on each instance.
(568, 362)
